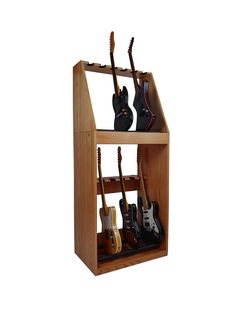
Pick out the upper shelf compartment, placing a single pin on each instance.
(84, 120)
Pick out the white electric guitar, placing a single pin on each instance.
(151, 224)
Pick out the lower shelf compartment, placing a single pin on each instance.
(128, 256)
(126, 251)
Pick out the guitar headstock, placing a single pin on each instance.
(131, 45)
(112, 42)
(119, 155)
(139, 155)
(99, 156)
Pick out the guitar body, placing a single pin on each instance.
(131, 230)
(151, 225)
(145, 113)
(123, 113)
(110, 234)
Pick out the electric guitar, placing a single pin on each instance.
(145, 113)
(151, 225)
(131, 230)
(123, 113)
(110, 234)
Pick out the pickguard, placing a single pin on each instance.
(129, 218)
(106, 220)
(149, 222)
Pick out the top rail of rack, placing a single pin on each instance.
(106, 69)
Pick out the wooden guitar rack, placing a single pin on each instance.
(155, 165)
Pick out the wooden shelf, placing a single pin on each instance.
(115, 137)
(136, 258)
(155, 167)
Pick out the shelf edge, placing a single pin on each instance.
(108, 266)
(112, 137)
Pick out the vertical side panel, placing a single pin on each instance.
(85, 200)
(155, 168)
(160, 123)
(82, 107)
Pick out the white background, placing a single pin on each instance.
(190, 48)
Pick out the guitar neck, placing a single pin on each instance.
(140, 173)
(136, 85)
(113, 68)
(104, 205)
(122, 185)
(142, 185)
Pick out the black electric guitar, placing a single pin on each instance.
(145, 113)
(131, 230)
(123, 113)
(110, 234)
(152, 229)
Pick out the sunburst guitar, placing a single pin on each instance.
(111, 239)
(131, 230)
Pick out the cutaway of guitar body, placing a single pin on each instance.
(111, 236)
